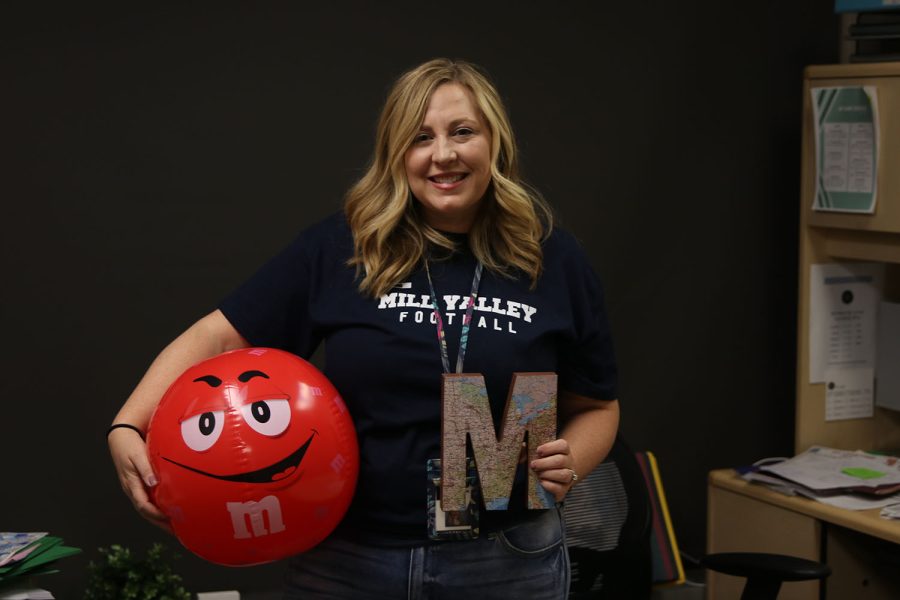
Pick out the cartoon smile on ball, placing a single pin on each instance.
(275, 472)
(250, 399)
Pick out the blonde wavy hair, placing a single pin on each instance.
(389, 234)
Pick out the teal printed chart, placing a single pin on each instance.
(846, 126)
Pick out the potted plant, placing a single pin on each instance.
(120, 575)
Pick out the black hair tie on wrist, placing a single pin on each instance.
(126, 426)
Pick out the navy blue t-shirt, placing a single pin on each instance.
(382, 354)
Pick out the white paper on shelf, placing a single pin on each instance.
(821, 469)
(856, 501)
(843, 314)
(849, 393)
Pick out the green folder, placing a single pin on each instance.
(48, 549)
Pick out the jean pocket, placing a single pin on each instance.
(535, 536)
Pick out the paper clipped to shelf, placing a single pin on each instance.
(843, 316)
(846, 131)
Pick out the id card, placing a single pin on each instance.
(455, 524)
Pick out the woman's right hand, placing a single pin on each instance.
(211, 335)
(132, 462)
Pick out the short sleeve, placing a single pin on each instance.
(271, 309)
(587, 361)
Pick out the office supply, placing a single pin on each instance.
(845, 500)
(14, 543)
(30, 554)
(667, 567)
(875, 35)
(862, 472)
(25, 593)
(823, 469)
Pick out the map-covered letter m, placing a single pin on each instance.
(530, 407)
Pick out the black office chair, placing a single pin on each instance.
(608, 521)
(609, 517)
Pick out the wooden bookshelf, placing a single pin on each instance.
(827, 237)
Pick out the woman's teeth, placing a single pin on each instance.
(447, 178)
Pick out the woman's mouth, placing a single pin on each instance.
(447, 181)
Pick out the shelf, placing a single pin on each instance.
(838, 236)
(865, 521)
(861, 245)
(854, 71)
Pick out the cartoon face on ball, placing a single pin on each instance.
(256, 456)
(253, 406)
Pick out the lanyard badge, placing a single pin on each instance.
(454, 524)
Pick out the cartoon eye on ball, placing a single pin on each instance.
(268, 417)
(200, 432)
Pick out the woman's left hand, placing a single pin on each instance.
(555, 468)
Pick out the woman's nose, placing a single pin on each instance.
(443, 151)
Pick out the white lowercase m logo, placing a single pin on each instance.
(255, 513)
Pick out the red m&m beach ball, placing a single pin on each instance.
(256, 456)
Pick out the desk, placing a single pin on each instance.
(862, 549)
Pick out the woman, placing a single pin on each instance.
(439, 235)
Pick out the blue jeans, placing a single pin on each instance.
(528, 560)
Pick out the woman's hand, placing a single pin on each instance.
(589, 428)
(555, 468)
(129, 454)
(211, 335)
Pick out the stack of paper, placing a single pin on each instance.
(853, 480)
(28, 554)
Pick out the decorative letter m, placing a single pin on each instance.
(530, 407)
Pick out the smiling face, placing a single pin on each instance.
(247, 399)
(448, 165)
(256, 456)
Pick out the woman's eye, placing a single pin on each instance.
(422, 137)
(201, 431)
(268, 417)
(464, 131)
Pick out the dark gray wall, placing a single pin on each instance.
(156, 156)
